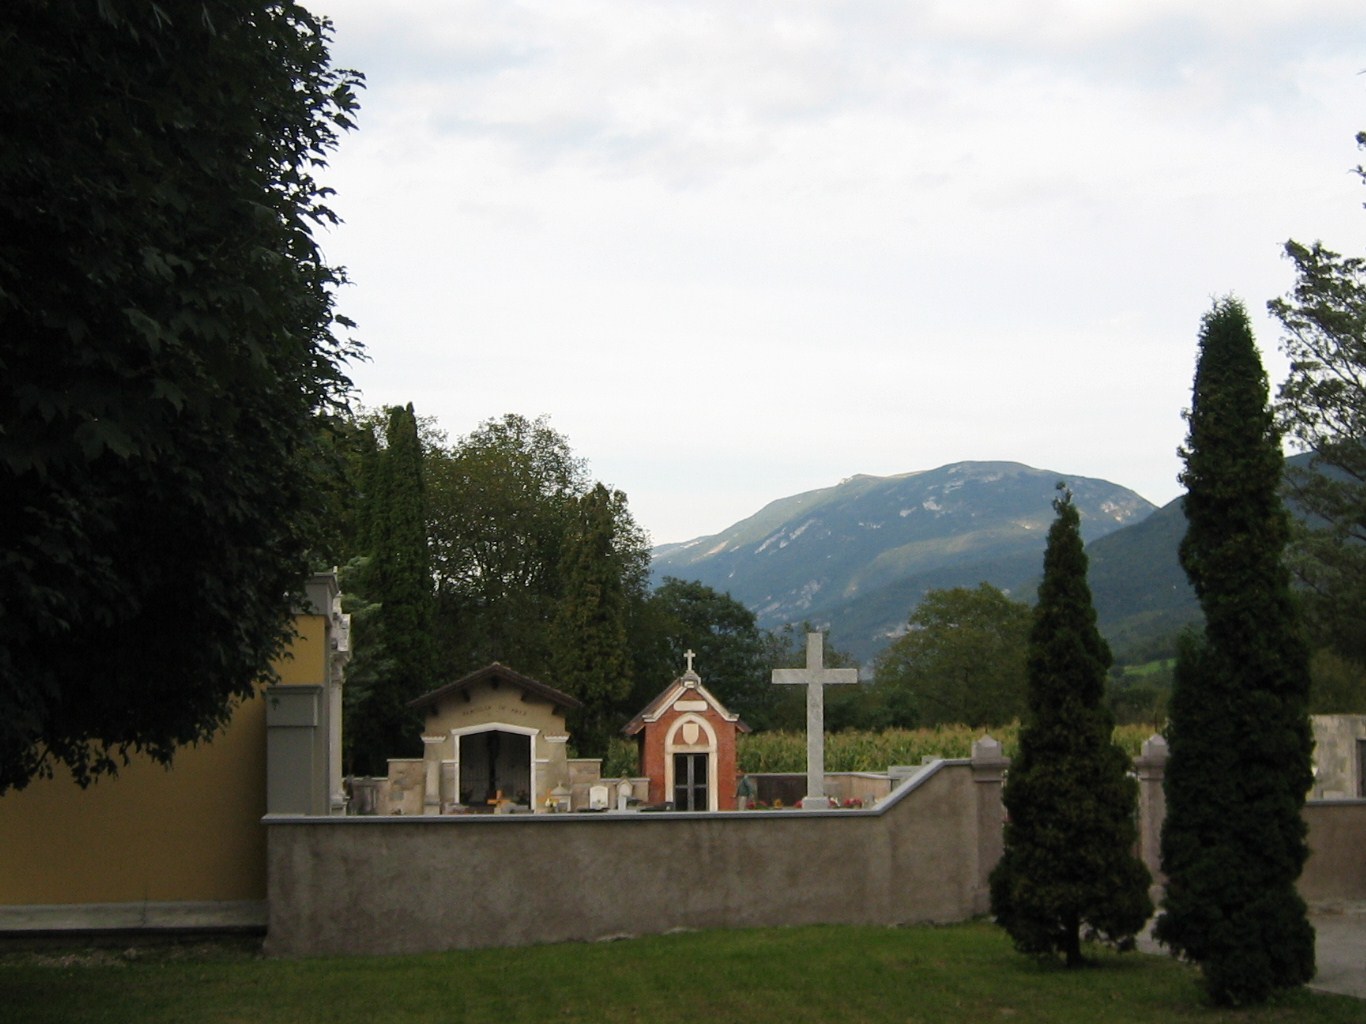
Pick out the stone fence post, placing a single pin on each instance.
(1151, 768)
(989, 766)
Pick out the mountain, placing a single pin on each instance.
(1140, 591)
(857, 557)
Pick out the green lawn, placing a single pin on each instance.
(814, 974)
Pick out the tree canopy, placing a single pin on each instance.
(501, 502)
(732, 651)
(170, 348)
(1234, 840)
(961, 660)
(1322, 409)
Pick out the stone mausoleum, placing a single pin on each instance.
(493, 740)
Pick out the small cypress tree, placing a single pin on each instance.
(394, 643)
(592, 654)
(1234, 839)
(1068, 868)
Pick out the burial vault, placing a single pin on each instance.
(492, 738)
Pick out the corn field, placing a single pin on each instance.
(855, 751)
(875, 751)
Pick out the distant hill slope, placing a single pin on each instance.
(1139, 588)
(857, 557)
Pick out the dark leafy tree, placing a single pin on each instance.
(592, 653)
(1069, 869)
(502, 501)
(392, 584)
(168, 353)
(1322, 409)
(962, 660)
(1234, 840)
(731, 649)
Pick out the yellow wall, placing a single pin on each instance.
(306, 661)
(191, 833)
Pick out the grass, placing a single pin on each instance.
(811, 974)
(1150, 668)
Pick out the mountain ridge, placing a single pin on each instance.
(857, 556)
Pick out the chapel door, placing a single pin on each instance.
(690, 782)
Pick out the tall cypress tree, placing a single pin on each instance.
(1234, 840)
(394, 659)
(592, 655)
(1068, 867)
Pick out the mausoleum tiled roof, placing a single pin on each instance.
(498, 673)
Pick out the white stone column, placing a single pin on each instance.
(1151, 768)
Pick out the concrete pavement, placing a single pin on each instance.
(1339, 947)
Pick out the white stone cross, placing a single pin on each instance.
(815, 677)
(689, 655)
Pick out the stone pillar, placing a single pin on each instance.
(1151, 768)
(989, 766)
(431, 758)
(340, 644)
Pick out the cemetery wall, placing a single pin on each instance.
(1339, 753)
(1336, 869)
(399, 885)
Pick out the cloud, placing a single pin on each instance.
(745, 250)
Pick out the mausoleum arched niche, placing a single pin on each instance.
(690, 764)
(495, 761)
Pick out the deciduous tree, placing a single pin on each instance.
(169, 349)
(1234, 840)
(732, 651)
(1322, 408)
(502, 500)
(961, 660)
(1069, 867)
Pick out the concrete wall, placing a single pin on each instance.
(1336, 869)
(1338, 743)
(402, 885)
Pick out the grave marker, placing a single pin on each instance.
(815, 677)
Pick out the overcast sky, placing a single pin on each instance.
(736, 251)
